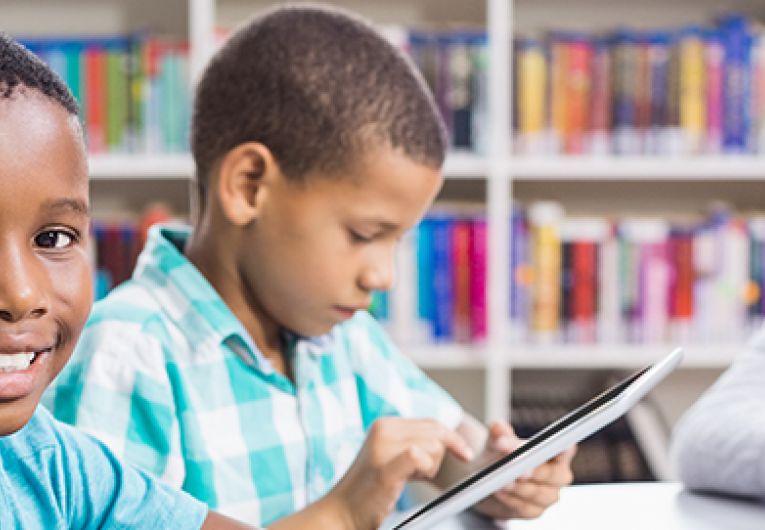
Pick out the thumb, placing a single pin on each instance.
(502, 437)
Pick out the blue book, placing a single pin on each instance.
(425, 270)
(443, 281)
(737, 47)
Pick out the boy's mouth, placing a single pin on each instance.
(18, 362)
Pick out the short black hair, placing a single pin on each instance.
(317, 86)
(20, 68)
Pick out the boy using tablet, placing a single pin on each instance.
(239, 363)
(51, 475)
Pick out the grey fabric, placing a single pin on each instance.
(719, 444)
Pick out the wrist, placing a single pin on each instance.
(334, 511)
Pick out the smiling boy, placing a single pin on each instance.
(238, 363)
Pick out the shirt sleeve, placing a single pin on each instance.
(389, 383)
(116, 388)
(108, 494)
(719, 444)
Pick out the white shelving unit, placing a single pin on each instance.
(498, 168)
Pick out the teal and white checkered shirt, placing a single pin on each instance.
(170, 380)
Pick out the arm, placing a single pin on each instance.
(395, 451)
(526, 497)
(719, 444)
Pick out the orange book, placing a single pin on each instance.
(95, 97)
(577, 94)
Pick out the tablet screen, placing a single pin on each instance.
(551, 430)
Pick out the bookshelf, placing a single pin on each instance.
(499, 173)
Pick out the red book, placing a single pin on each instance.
(95, 98)
(682, 275)
(578, 80)
(584, 288)
(461, 279)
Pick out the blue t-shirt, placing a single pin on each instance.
(53, 476)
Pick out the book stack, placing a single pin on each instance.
(690, 91)
(133, 90)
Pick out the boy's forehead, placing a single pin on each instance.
(42, 153)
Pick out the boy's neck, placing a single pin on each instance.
(217, 266)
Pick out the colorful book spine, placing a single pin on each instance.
(602, 99)
(442, 278)
(460, 250)
(692, 90)
(478, 269)
(715, 112)
(657, 56)
(95, 100)
(531, 95)
(577, 94)
(736, 42)
(544, 218)
(758, 92)
(625, 57)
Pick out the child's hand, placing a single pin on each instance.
(396, 450)
(530, 495)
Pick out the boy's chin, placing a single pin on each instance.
(14, 416)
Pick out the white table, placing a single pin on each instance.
(631, 506)
(645, 506)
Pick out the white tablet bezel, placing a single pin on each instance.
(547, 443)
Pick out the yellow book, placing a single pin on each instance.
(692, 90)
(532, 82)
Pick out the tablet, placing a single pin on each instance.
(547, 443)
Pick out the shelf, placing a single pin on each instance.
(617, 356)
(657, 168)
(181, 166)
(462, 164)
(554, 357)
(447, 356)
(141, 167)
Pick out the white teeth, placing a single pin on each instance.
(16, 362)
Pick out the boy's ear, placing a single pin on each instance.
(244, 174)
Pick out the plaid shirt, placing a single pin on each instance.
(170, 380)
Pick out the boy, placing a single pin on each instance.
(239, 363)
(51, 475)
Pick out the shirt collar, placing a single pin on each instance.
(163, 267)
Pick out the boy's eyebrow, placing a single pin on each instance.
(76, 205)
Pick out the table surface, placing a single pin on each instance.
(632, 506)
(646, 505)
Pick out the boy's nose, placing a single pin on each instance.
(21, 293)
(378, 276)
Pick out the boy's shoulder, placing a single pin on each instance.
(38, 435)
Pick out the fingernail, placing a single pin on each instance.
(503, 443)
(468, 453)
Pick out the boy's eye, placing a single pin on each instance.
(54, 239)
(356, 237)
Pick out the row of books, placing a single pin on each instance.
(582, 280)
(635, 280)
(690, 91)
(440, 289)
(133, 90)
